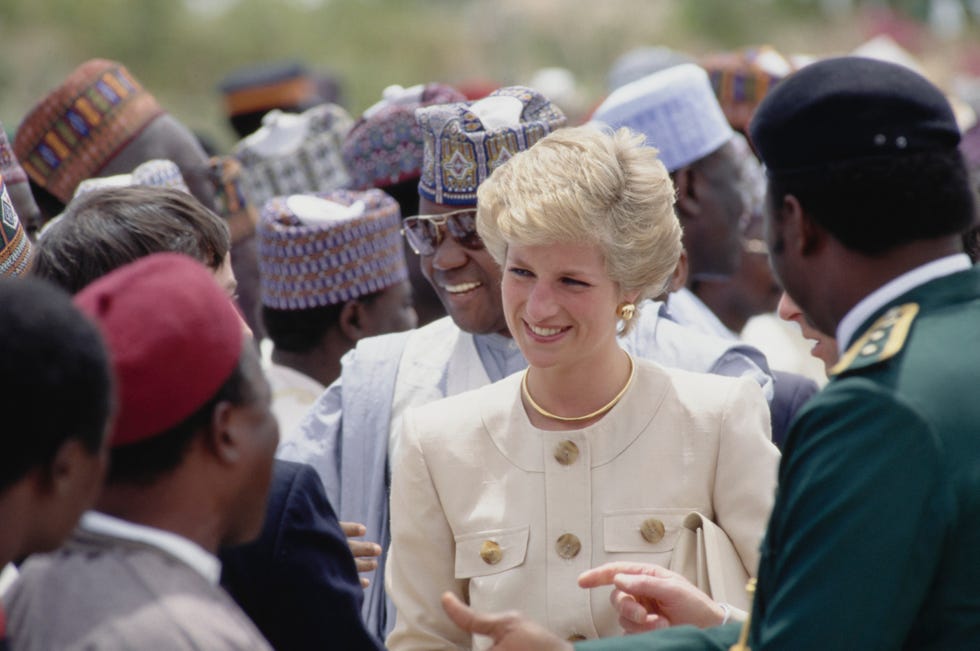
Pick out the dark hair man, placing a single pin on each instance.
(332, 272)
(297, 581)
(105, 229)
(56, 383)
(191, 463)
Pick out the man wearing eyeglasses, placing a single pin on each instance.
(353, 429)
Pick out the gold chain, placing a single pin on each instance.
(572, 419)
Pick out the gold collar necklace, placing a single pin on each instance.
(574, 419)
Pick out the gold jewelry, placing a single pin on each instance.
(743, 638)
(572, 419)
(625, 311)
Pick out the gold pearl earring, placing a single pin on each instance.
(625, 311)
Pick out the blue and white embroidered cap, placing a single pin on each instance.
(675, 109)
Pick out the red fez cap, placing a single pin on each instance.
(174, 338)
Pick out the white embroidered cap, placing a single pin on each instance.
(676, 110)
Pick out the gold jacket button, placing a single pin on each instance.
(566, 453)
(490, 552)
(568, 545)
(576, 637)
(652, 530)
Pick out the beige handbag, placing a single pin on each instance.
(704, 555)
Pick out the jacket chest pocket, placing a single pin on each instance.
(650, 531)
(484, 553)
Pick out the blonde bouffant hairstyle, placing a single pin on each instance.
(588, 185)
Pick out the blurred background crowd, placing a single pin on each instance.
(184, 49)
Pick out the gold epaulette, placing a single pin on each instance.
(882, 340)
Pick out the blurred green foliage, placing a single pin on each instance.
(181, 49)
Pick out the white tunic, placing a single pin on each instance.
(293, 393)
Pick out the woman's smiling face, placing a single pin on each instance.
(559, 302)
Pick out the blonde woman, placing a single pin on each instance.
(504, 495)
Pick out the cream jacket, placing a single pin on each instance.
(507, 515)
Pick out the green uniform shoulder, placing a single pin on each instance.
(883, 340)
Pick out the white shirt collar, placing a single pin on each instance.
(202, 561)
(686, 308)
(894, 288)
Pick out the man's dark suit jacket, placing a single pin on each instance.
(790, 392)
(298, 581)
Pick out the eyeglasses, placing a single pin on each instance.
(424, 232)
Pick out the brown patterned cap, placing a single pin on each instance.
(82, 124)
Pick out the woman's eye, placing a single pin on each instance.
(574, 282)
(517, 271)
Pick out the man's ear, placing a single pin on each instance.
(685, 187)
(60, 476)
(223, 437)
(800, 232)
(352, 320)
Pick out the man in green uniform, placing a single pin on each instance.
(874, 540)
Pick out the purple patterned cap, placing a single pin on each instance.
(385, 146)
(465, 142)
(328, 248)
(16, 253)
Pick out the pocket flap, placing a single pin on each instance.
(483, 553)
(642, 530)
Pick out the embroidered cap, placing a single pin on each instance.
(466, 142)
(174, 338)
(73, 132)
(295, 153)
(225, 174)
(16, 252)
(385, 146)
(329, 248)
(10, 168)
(742, 79)
(266, 87)
(160, 173)
(675, 109)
